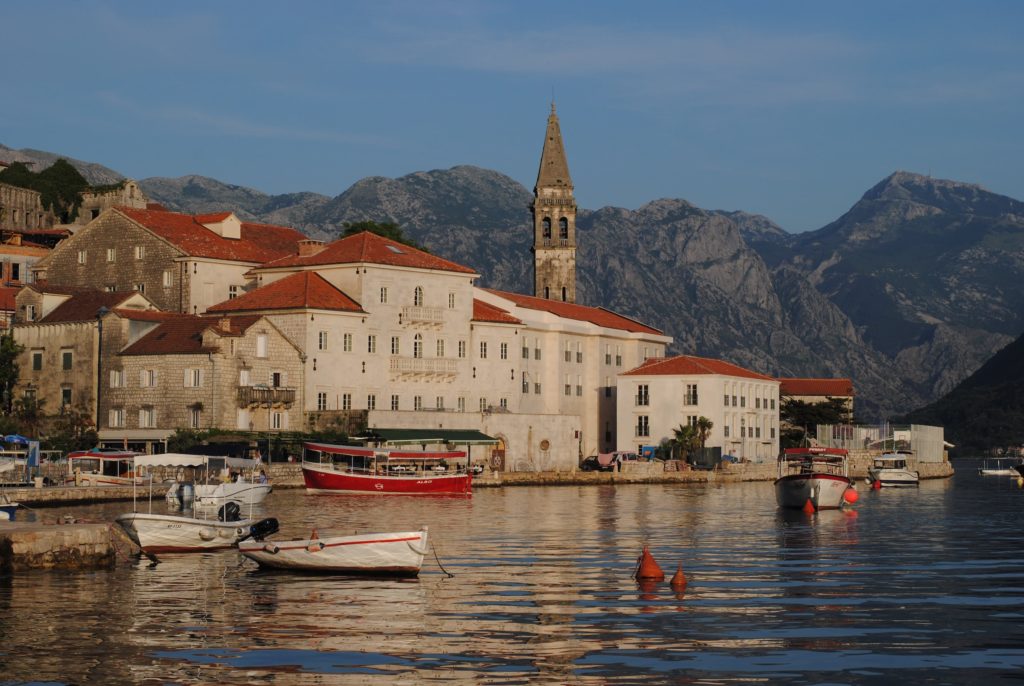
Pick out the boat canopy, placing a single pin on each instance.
(428, 436)
(350, 450)
(171, 460)
(426, 454)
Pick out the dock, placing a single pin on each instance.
(77, 546)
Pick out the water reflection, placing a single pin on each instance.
(912, 581)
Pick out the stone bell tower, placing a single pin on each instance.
(554, 221)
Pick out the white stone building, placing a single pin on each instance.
(660, 395)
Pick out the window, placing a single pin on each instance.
(111, 288)
(757, 432)
(395, 345)
(568, 351)
(37, 361)
(607, 386)
(460, 404)
(417, 402)
(83, 255)
(483, 404)
(394, 402)
(193, 378)
(232, 292)
(117, 378)
(147, 418)
(536, 388)
(140, 252)
(772, 432)
(563, 228)
(115, 418)
(503, 403)
(417, 296)
(643, 426)
(278, 379)
(643, 395)
(579, 352)
(536, 348)
(691, 420)
(346, 342)
(483, 350)
(371, 343)
(321, 401)
(451, 301)
(546, 227)
(371, 402)
(568, 385)
(417, 346)
(773, 403)
(65, 397)
(690, 397)
(607, 354)
(725, 431)
(579, 385)
(261, 345)
(321, 340)
(66, 360)
(383, 295)
(462, 348)
(140, 287)
(526, 384)
(618, 356)
(30, 313)
(195, 417)
(440, 347)
(526, 349)
(111, 254)
(726, 400)
(244, 378)
(147, 378)
(734, 401)
(168, 278)
(504, 351)
(346, 401)
(743, 401)
(743, 427)
(277, 420)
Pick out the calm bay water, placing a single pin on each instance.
(922, 586)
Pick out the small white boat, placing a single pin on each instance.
(247, 484)
(1000, 466)
(891, 469)
(818, 476)
(380, 554)
(161, 533)
(8, 508)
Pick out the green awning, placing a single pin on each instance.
(427, 436)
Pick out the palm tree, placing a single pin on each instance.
(704, 426)
(684, 437)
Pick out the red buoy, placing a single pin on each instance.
(851, 495)
(809, 507)
(678, 580)
(647, 568)
(876, 484)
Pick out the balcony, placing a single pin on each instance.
(412, 314)
(424, 366)
(265, 396)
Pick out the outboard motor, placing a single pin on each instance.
(229, 512)
(262, 529)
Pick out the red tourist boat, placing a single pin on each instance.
(330, 468)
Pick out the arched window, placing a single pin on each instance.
(563, 228)
(564, 293)
(417, 296)
(547, 292)
(546, 225)
(417, 346)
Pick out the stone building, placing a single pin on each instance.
(182, 263)
(21, 209)
(554, 221)
(660, 395)
(17, 258)
(201, 373)
(96, 201)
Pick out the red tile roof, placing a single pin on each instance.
(183, 335)
(7, 295)
(304, 290)
(836, 388)
(82, 306)
(485, 312)
(686, 365)
(369, 248)
(145, 315)
(594, 315)
(258, 242)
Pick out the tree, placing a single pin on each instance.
(9, 351)
(72, 429)
(800, 418)
(685, 439)
(60, 186)
(386, 229)
(30, 414)
(704, 426)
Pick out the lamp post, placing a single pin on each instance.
(100, 314)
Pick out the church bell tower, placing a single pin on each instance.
(554, 221)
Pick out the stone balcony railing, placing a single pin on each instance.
(429, 366)
(412, 314)
(265, 396)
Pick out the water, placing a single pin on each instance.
(921, 586)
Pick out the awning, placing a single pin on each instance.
(170, 460)
(427, 436)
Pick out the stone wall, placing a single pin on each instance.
(21, 209)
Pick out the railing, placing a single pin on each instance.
(254, 395)
(423, 365)
(418, 314)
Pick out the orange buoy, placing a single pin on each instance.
(876, 484)
(647, 567)
(809, 507)
(851, 495)
(678, 579)
(314, 536)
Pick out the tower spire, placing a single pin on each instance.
(554, 220)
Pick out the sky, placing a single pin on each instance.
(787, 109)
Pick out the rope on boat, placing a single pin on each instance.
(450, 575)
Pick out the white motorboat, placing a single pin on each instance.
(377, 554)
(813, 477)
(241, 480)
(891, 469)
(161, 533)
(1000, 466)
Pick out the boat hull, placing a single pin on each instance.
(894, 477)
(170, 534)
(824, 491)
(326, 480)
(387, 554)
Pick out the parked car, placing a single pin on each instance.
(591, 464)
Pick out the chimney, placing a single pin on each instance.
(310, 247)
(225, 324)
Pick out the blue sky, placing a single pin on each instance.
(788, 109)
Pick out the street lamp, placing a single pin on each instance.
(100, 314)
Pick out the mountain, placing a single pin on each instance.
(987, 408)
(37, 160)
